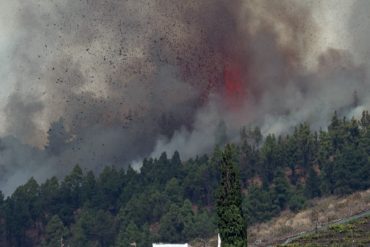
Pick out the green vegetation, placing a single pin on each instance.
(171, 200)
(229, 202)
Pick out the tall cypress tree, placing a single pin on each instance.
(229, 202)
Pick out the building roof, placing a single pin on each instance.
(170, 245)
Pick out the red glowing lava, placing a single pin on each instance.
(233, 83)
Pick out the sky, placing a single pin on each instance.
(331, 16)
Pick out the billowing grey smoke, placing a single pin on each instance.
(109, 82)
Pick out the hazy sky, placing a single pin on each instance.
(332, 17)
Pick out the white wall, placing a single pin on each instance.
(170, 245)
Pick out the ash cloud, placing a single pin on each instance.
(109, 82)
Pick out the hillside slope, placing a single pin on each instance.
(353, 233)
(320, 213)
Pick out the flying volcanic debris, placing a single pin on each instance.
(98, 83)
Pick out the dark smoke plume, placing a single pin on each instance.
(108, 82)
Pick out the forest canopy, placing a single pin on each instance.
(170, 200)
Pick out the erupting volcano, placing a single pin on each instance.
(112, 82)
(234, 86)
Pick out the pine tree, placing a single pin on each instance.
(312, 184)
(229, 202)
(54, 232)
(352, 171)
(281, 191)
(270, 159)
(258, 205)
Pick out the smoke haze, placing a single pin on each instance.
(98, 83)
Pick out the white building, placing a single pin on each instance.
(170, 245)
(185, 245)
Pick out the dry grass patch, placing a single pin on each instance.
(321, 211)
